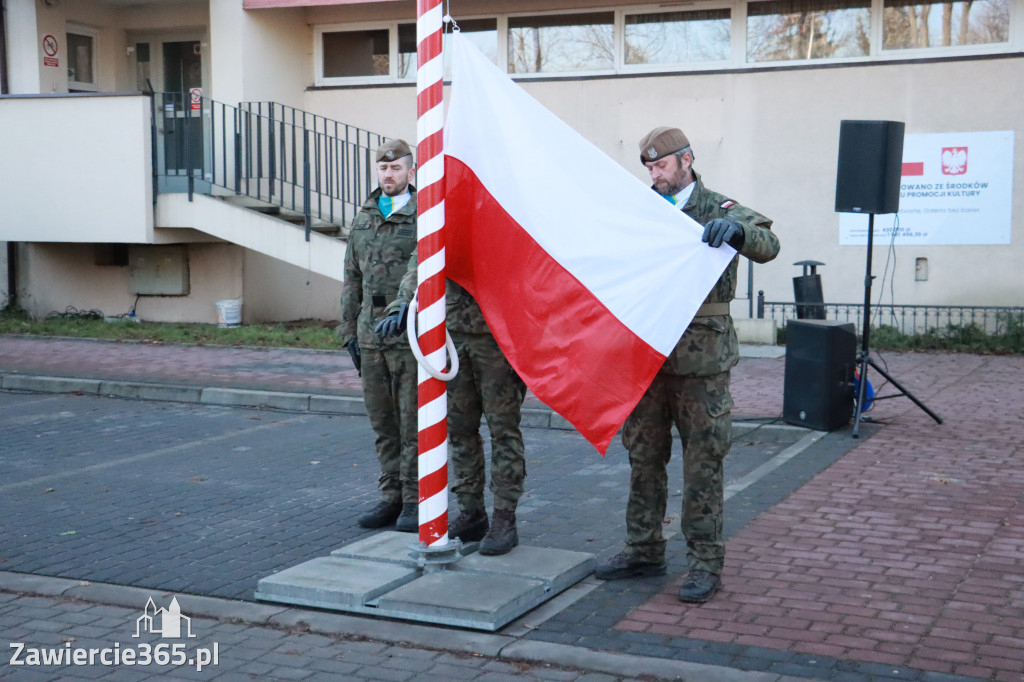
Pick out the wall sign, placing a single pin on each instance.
(956, 188)
(50, 48)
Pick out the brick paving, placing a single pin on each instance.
(895, 556)
(244, 652)
(905, 555)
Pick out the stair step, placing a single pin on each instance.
(288, 215)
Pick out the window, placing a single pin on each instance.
(779, 30)
(81, 59)
(677, 37)
(559, 43)
(683, 36)
(356, 53)
(909, 24)
(406, 51)
(482, 33)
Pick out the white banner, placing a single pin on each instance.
(957, 188)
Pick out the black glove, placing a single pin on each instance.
(357, 355)
(393, 324)
(723, 230)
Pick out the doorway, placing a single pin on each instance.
(171, 67)
(183, 107)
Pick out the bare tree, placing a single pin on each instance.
(947, 23)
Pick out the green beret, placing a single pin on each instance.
(662, 142)
(393, 149)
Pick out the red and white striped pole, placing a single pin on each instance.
(433, 399)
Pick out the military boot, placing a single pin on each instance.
(409, 520)
(383, 514)
(469, 526)
(502, 536)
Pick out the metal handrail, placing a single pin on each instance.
(276, 154)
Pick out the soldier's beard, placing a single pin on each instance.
(667, 189)
(395, 190)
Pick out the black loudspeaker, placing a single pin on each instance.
(807, 290)
(870, 166)
(820, 359)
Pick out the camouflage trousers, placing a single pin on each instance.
(389, 391)
(700, 407)
(485, 385)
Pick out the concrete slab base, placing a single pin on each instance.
(382, 575)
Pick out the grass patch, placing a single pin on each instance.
(316, 334)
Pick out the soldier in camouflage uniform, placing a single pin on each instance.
(383, 236)
(691, 390)
(486, 385)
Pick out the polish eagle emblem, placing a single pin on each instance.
(954, 160)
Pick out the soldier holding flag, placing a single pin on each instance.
(691, 390)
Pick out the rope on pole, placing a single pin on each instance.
(432, 397)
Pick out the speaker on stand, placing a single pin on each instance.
(868, 181)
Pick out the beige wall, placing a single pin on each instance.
(275, 290)
(260, 56)
(115, 68)
(55, 276)
(770, 138)
(101, 192)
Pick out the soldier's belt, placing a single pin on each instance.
(713, 310)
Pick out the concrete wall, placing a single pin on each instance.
(101, 192)
(770, 138)
(31, 20)
(260, 56)
(55, 276)
(275, 290)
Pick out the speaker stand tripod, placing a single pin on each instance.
(864, 354)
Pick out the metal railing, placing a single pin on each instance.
(273, 153)
(906, 319)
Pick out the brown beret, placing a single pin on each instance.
(393, 149)
(661, 142)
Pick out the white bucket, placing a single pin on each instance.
(229, 312)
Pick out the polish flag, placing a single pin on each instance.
(586, 276)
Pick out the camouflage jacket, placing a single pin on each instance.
(462, 312)
(709, 344)
(375, 261)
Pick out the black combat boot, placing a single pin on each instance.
(469, 526)
(409, 520)
(384, 514)
(502, 536)
(699, 586)
(624, 565)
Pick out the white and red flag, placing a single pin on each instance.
(587, 277)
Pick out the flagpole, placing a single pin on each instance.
(430, 321)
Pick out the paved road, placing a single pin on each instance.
(208, 500)
(892, 557)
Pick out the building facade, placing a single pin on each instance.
(759, 86)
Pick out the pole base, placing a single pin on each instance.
(431, 558)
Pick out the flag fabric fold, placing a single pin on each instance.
(587, 278)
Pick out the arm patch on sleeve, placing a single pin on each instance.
(729, 203)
